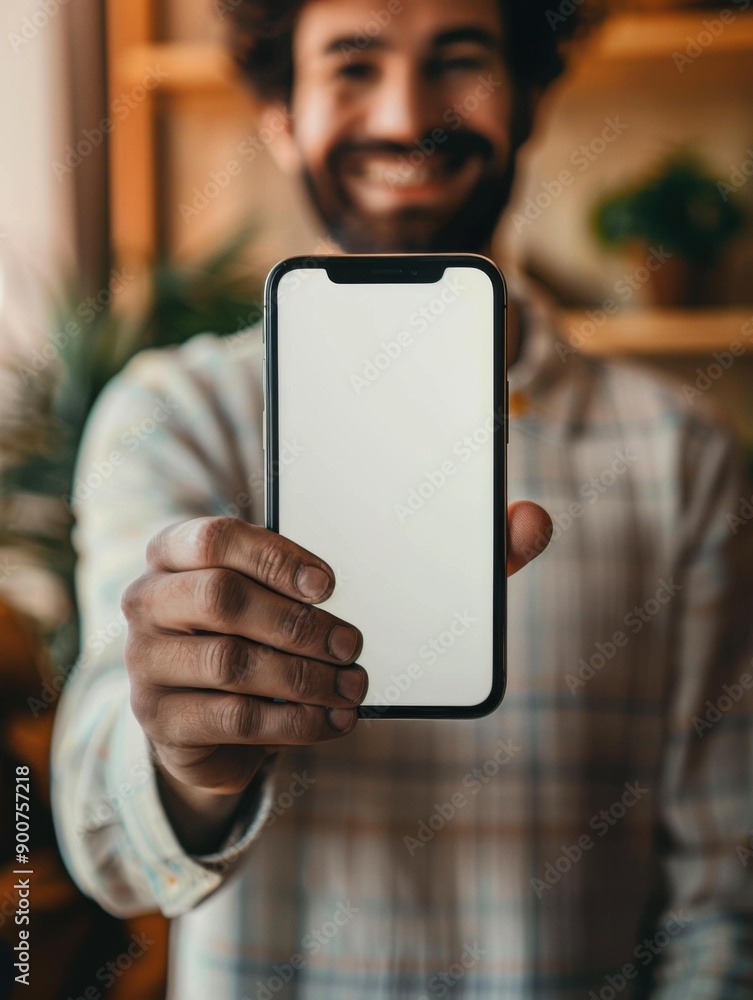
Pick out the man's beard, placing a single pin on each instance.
(416, 229)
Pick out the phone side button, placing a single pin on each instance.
(264, 429)
(507, 410)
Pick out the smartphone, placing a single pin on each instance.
(386, 424)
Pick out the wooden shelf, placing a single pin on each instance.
(187, 67)
(660, 332)
(652, 36)
(206, 67)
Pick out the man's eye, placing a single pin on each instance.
(458, 64)
(355, 71)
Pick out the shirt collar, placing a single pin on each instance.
(550, 382)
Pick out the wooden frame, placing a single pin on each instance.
(133, 211)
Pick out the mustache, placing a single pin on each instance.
(454, 145)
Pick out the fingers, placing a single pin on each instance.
(222, 600)
(182, 720)
(227, 542)
(235, 665)
(280, 565)
(529, 531)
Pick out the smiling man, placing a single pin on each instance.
(581, 842)
(405, 140)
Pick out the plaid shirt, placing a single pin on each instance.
(589, 839)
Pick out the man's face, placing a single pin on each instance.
(401, 121)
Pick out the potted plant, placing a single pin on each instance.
(39, 441)
(680, 208)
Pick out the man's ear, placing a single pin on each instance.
(276, 121)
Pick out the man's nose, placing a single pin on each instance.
(401, 109)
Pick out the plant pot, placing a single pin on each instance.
(675, 283)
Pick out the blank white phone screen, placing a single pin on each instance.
(386, 426)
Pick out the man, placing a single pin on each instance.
(583, 840)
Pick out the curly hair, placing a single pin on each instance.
(261, 33)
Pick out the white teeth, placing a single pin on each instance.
(406, 175)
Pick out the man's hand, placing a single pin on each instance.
(224, 621)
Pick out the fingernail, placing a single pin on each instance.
(351, 683)
(340, 718)
(342, 642)
(312, 582)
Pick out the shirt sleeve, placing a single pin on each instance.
(702, 945)
(158, 449)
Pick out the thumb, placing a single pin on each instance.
(529, 531)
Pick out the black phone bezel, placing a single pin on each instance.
(392, 268)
